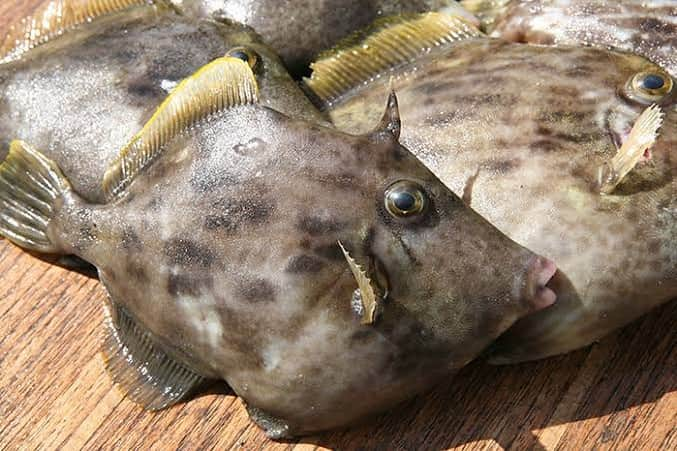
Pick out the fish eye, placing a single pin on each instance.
(404, 199)
(247, 55)
(650, 86)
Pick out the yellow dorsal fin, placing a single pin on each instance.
(54, 18)
(389, 43)
(222, 84)
(487, 11)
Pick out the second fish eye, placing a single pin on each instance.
(650, 86)
(247, 55)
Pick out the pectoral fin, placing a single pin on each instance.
(641, 138)
(140, 367)
(368, 298)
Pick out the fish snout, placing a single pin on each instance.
(536, 293)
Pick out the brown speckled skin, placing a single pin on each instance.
(81, 97)
(300, 29)
(248, 283)
(644, 27)
(536, 122)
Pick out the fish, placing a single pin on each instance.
(570, 151)
(78, 85)
(647, 28)
(324, 276)
(299, 30)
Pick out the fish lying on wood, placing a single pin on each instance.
(644, 27)
(549, 144)
(324, 276)
(298, 29)
(84, 84)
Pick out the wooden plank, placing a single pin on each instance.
(54, 393)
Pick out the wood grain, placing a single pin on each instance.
(54, 393)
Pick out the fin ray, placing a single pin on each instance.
(146, 374)
(642, 137)
(53, 19)
(389, 43)
(222, 84)
(30, 184)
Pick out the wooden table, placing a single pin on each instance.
(54, 393)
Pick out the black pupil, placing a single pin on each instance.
(404, 201)
(653, 82)
(240, 54)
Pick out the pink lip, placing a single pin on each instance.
(541, 271)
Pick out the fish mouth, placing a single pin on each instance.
(539, 288)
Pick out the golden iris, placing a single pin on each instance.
(405, 198)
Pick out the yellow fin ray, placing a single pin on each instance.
(368, 297)
(389, 43)
(53, 19)
(641, 138)
(222, 84)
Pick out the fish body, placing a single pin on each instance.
(299, 29)
(522, 131)
(647, 28)
(82, 95)
(308, 268)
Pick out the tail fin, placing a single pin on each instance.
(30, 184)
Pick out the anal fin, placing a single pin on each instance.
(141, 368)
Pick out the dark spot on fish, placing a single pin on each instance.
(137, 272)
(487, 99)
(442, 118)
(544, 131)
(315, 225)
(304, 264)
(632, 215)
(576, 137)
(206, 182)
(545, 145)
(185, 252)
(154, 204)
(143, 89)
(503, 166)
(558, 117)
(234, 213)
(188, 285)
(257, 290)
(329, 251)
(360, 336)
(131, 241)
(569, 92)
(654, 246)
(579, 72)
(651, 24)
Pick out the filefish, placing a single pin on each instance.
(299, 30)
(561, 148)
(324, 276)
(644, 27)
(79, 78)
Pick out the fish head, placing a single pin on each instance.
(444, 279)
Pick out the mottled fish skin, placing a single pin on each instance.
(226, 249)
(81, 97)
(644, 27)
(531, 125)
(300, 29)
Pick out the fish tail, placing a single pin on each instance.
(30, 187)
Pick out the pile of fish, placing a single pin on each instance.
(449, 179)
